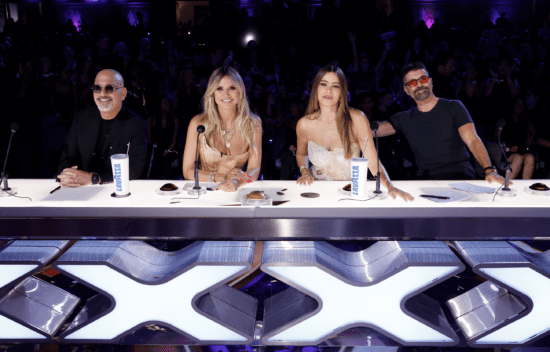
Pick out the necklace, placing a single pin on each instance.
(228, 134)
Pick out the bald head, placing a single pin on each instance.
(113, 75)
(109, 92)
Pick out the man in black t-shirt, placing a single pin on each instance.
(101, 131)
(438, 131)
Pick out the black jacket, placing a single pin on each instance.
(83, 135)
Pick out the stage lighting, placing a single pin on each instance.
(249, 37)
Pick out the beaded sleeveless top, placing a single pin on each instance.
(330, 165)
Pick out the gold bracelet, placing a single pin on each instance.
(303, 167)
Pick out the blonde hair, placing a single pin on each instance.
(343, 117)
(246, 122)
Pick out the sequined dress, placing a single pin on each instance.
(330, 165)
(212, 160)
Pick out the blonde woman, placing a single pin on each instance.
(232, 136)
(331, 134)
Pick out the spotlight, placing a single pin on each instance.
(249, 37)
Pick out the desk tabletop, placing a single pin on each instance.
(96, 201)
(330, 215)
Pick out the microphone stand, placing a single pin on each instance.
(378, 194)
(506, 191)
(4, 175)
(197, 190)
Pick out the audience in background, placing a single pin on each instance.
(47, 74)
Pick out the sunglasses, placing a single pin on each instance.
(108, 88)
(414, 82)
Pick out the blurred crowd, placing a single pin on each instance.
(500, 71)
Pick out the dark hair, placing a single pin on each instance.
(363, 95)
(382, 93)
(101, 36)
(417, 65)
(441, 59)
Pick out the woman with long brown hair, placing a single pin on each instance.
(331, 134)
(232, 136)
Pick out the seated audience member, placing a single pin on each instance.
(331, 134)
(502, 87)
(444, 76)
(389, 148)
(100, 131)
(543, 143)
(232, 135)
(438, 131)
(289, 168)
(365, 103)
(518, 135)
(162, 129)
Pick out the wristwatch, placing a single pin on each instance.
(95, 178)
(490, 168)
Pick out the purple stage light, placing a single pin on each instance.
(428, 14)
(495, 12)
(75, 18)
(133, 18)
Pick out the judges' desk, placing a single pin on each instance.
(376, 293)
(91, 212)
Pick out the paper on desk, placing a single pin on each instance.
(468, 187)
(74, 194)
(454, 196)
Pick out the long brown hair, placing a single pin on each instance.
(343, 117)
(246, 121)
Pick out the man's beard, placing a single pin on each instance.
(422, 94)
(104, 106)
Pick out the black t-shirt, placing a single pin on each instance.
(434, 138)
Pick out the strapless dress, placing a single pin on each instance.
(330, 165)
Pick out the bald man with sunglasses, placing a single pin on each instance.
(438, 131)
(100, 131)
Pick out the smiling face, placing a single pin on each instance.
(226, 94)
(109, 103)
(328, 91)
(421, 91)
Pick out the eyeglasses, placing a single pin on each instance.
(108, 88)
(414, 82)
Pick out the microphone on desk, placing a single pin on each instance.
(377, 194)
(198, 190)
(4, 176)
(506, 191)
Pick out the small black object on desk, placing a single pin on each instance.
(434, 197)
